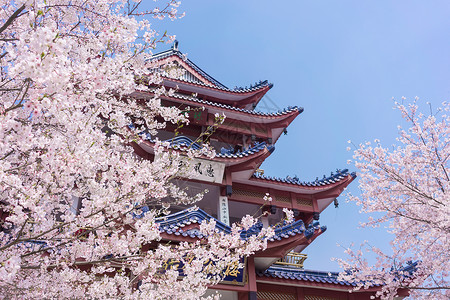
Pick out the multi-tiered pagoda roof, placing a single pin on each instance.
(242, 143)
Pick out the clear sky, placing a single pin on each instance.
(343, 62)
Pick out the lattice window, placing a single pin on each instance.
(283, 199)
(318, 298)
(304, 202)
(263, 295)
(249, 193)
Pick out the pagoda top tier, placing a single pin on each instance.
(196, 81)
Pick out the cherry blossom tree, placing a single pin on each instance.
(70, 183)
(408, 187)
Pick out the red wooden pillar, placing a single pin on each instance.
(300, 294)
(251, 278)
(242, 296)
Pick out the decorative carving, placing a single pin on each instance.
(249, 193)
(259, 171)
(304, 202)
(283, 199)
(293, 259)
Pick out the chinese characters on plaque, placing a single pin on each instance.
(224, 216)
(234, 272)
(202, 169)
(206, 170)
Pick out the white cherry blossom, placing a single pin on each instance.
(69, 179)
(407, 186)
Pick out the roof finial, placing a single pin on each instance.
(175, 45)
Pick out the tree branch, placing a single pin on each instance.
(12, 18)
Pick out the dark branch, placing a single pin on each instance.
(12, 18)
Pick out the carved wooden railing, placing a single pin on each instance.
(293, 259)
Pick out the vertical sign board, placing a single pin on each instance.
(223, 212)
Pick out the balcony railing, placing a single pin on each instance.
(293, 259)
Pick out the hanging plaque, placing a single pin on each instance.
(205, 170)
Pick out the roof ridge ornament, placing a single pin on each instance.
(175, 45)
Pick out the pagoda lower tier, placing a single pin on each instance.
(265, 275)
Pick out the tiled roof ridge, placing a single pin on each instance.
(333, 178)
(217, 84)
(296, 273)
(172, 51)
(293, 273)
(187, 217)
(285, 111)
(183, 143)
(240, 90)
(295, 269)
(251, 150)
(174, 223)
(258, 85)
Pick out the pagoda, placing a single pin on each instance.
(237, 187)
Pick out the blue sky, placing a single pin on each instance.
(343, 61)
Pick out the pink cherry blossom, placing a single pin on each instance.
(70, 183)
(407, 187)
(289, 215)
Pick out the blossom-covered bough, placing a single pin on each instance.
(410, 185)
(70, 184)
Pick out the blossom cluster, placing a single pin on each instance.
(70, 182)
(407, 186)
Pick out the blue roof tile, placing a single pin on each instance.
(171, 225)
(295, 273)
(333, 178)
(184, 143)
(253, 112)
